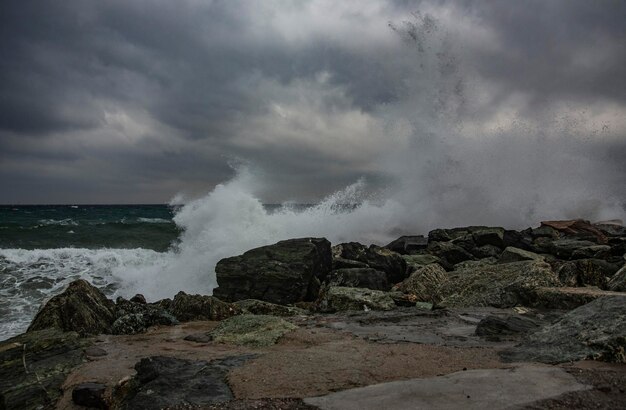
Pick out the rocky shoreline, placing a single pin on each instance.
(468, 317)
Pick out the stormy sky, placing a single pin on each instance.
(123, 101)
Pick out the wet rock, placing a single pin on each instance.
(425, 284)
(449, 252)
(201, 307)
(359, 278)
(489, 236)
(565, 248)
(34, 365)
(259, 307)
(509, 325)
(512, 254)
(338, 299)
(81, 307)
(135, 317)
(251, 330)
(139, 298)
(618, 281)
(503, 285)
(595, 251)
(164, 382)
(565, 297)
(586, 272)
(199, 338)
(417, 261)
(342, 263)
(475, 264)
(408, 244)
(286, 272)
(90, 395)
(375, 257)
(486, 251)
(596, 331)
(94, 351)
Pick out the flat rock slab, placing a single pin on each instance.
(473, 389)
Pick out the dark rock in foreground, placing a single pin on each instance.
(33, 367)
(90, 395)
(596, 330)
(82, 308)
(284, 273)
(137, 316)
(380, 259)
(163, 382)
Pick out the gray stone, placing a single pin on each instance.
(81, 307)
(342, 263)
(408, 244)
(595, 251)
(565, 297)
(359, 278)
(424, 284)
(489, 236)
(508, 325)
(287, 272)
(337, 298)
(564, 248)
(586, 272)
(618, 281)
(201, 307)
(417, 261)
(449, 252)
(375, 257)
(596, 331)
(512, 254)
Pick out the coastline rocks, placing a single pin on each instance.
(375, 257)
(565, 248)
(82, 308)
(504, 285)
(449, 253)
(287, 272)
(586, 272)
(90, 395)
(489, 236)
(339, 299)
(618, 281)
(201, 307)
(596, 330)
(259, 307)
(566, 297)
(136, 317)
(513, 254)
(415, 262)
(33, 367)
(251, 330)
(408, 244)
(494, 326)
(359, 278)
(424, 284)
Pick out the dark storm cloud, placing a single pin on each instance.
(99, 96)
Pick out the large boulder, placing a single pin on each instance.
(34, 365)
(338, 299)
(251, 330)
(502, 285)
(586, 272)
(259, 307)
(201, 307)
(424, 284)
(449, 252)
(408, 244)
(415, 262)
(489, 236)
(81, 308)
(618, 281)
(287, 272)
(359, 278)
(375, 257)
(567, 298)
(596, 330)
(565, 248)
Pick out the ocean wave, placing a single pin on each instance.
(62, 222)
(154, 220)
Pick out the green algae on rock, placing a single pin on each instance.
(251, 330)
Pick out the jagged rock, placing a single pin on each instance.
(466, 242)
(415, 262)
(136, 317)
(595, 251)
(508, 325)
(486, 251)
(596, 330)
(375, 257)
(338, 299)
(545, 231)
(512, 254)
(566, 297)
(90, 395)
(286, 272)
(408, 244)
(586, 272)
(81, 307)
(425, 283)
(251, 330)
(359, 278)
(201, 307)
(611, 229)
(342, 263)
(564, 248)
(166, 382)
(489, 236)
(139, 298)
(259, 307)
(449, 252)
(521, 240)
(34, 365)
(504, 285)
(446, 235)
(618, 281)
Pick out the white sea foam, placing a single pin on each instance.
(153, 220)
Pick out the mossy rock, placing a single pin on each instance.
(259, 307)
(251, 330)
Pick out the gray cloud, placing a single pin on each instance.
(117, 101)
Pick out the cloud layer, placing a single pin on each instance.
(134, 102)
